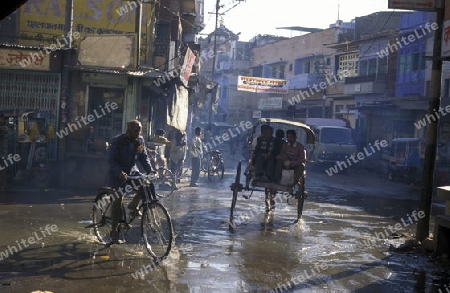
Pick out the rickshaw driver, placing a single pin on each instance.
(264, 159)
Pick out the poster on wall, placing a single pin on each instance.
(446, 39)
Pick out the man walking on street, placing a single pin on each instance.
(196, 149)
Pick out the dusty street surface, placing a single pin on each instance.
(337, 247)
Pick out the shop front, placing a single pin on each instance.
(30, 91)
(99, 108)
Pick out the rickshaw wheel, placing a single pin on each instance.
(235, 192)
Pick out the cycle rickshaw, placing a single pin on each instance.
(296, 190)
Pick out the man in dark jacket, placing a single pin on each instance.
(264, 154)
(125, 151)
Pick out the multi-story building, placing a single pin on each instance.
(107, 54)
(305, 63)
(369, 77)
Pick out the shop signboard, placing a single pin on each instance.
(412, 4)
(271, 104)
(262, 85)
(20, 59)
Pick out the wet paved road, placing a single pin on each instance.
(328, 251)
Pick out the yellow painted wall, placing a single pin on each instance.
(42, 21)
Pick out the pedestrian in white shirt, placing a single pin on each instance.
(196, 149)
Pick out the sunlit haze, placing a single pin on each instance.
(254, 17)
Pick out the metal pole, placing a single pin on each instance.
(65, 84)
(138, 32)
(214, 61)
(426, 194)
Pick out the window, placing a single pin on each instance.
(316, 67)
(110, 123)
(402, 64)
(274, 72)
(372, 67)
(415, 61)
(333, 135)
(281, 71)
(328, 61)
(297, 67)
(338, 108)
(408, 64)
(290, 67)
(307, 68)
(349, 63)
(382, 66)
(363, 68)
(257, 71)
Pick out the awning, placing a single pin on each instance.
(404, 103)
(411, 105)
(149, 73)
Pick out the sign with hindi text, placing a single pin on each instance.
(20, 59)
(262, 85)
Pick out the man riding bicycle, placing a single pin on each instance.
(125, 151)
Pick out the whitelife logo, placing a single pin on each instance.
(394, 47)
(360, 156)
(71, 127)
(53, 47)
(27, 242)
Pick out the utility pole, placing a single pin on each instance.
(65, 83)
(426, 194)
(213, 72)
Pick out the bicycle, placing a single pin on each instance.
(165, 183)
(156, 223)
(214, 164)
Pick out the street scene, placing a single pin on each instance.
(329, 250)
(225, 146)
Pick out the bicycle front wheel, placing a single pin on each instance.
(101, 217)
(157, 230)
(165, 184)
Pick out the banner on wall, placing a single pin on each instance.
(262, 85)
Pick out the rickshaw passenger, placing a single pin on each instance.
(279, 142)
(264, 155)
(292, 156)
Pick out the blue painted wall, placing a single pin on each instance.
(411, 65)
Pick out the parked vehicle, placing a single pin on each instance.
(334, 141)
(398, 153)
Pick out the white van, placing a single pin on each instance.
(334, 141)
(333, 144)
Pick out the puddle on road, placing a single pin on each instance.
(326, 251)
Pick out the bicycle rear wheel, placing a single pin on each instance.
(157, 230)
(165, 184)
(101, 217)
